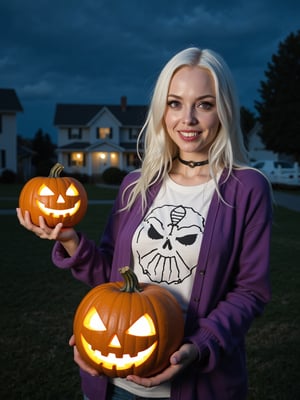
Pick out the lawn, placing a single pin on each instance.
(38, 302)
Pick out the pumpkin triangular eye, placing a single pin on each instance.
(72, 191)
(93, 321)
(144, 326)
(45, 191)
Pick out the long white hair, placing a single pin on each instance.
(227, 150)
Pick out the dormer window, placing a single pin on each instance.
(75, 133)
(104, 133)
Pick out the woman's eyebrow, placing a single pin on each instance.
(205, 96)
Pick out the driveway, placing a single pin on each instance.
(287, 200)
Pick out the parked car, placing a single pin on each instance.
(279, 172)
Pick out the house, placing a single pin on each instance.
(25, 167)
(9, 107)
(92, 138)
(256, 147)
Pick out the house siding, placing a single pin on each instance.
(8, 142)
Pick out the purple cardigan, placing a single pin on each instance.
(230, 289)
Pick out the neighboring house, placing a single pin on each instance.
(9, 107)
(257, 149)
(26, 169)
(92, 138)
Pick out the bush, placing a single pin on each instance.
(113, 176)
(8, 176)
(83, 178)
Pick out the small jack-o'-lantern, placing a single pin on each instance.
(56, 198)
(128, 329)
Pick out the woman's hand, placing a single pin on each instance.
(68, 237)
(187, 353)
(79, 361)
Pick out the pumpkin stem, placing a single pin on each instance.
(56, 170)
(131, 283)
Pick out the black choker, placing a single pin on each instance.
(193, 164)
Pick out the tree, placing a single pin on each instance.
(45, 153)
(248, 121)
(279, 108)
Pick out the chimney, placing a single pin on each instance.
(123, 103)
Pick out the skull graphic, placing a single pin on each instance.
(168, 242)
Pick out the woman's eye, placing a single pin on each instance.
(205, 105)
(173, 104)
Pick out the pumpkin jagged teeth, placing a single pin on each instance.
(111, 360)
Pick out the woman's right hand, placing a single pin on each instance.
(67, 236)
(79, 361)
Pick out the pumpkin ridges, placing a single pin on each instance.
(161, 304)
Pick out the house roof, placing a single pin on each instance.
(82, 114)
(99, 146)
(9, 101)
(75, 146)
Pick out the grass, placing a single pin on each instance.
(38, 302)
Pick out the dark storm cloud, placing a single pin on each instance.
(96, 51)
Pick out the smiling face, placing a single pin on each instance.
(191, 118)
(114, 353)
(62, 204)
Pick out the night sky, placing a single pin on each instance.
(95, 51)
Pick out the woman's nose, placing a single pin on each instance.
(189, 116)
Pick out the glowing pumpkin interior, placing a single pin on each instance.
(143, 327)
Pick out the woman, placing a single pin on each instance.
(217, 246)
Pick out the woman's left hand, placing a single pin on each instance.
(187, 353)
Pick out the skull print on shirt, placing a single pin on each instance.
(168, 242)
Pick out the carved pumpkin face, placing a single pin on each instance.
(123, 332)
(57, 199)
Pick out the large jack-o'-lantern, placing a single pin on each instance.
(128, 329)
(56, 198)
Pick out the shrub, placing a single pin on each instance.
(113, 176)
(83, 178)
(8, 176)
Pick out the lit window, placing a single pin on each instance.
(77, 159)
(104, 133)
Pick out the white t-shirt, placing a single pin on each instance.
(165, 249)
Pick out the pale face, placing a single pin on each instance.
(191, 117)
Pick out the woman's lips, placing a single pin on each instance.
(189, 135)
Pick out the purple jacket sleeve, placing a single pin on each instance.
(92, 263)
